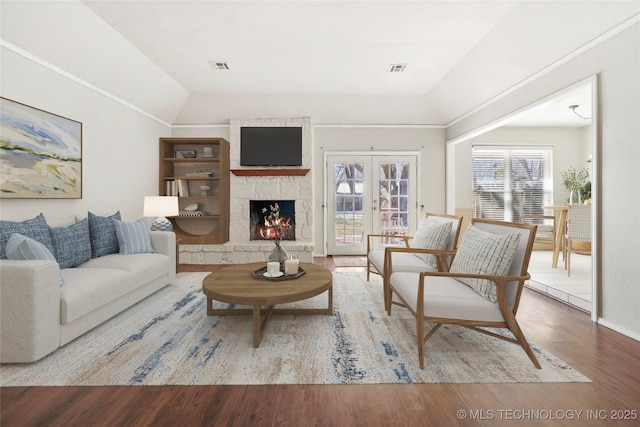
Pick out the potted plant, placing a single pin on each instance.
(585, 193)
(573, 180)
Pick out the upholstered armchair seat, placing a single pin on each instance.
(402, 261)
(446, 298)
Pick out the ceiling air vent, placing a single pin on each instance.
(219, 65)
(397, 68)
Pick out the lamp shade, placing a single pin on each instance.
(160, 206)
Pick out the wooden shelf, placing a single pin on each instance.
(198, 229)
(192, 178)
(193, 217)
(270, 172)
(192, 160)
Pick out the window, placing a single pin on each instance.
(510, 181)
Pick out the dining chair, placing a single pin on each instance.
(578, 229)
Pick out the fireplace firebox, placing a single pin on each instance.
(272, 220)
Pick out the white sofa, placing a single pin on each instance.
(38, 315)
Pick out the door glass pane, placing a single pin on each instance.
(394, 200)
(349, 226)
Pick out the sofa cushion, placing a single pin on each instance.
(102, 231)
(85, 293)
(144, 267)
(35, 228)
(133, 237)
(484, 253)
(71, 244)
(431, 235)
(445, 297)
(102, 280)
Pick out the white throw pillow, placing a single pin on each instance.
(431, 235)
(484, 253)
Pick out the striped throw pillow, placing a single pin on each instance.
(21, 247)
(133, 237)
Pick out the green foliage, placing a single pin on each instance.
(574, 178)
(585, 191)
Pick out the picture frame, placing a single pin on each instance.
(40, 153)
(185, 154)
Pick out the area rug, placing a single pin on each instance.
(168, 339)
(350, 261)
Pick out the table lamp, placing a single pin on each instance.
(161, 207)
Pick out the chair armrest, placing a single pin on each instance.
(29, 310)
(394, 236)
(441, 256)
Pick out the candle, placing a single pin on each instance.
(290, 266)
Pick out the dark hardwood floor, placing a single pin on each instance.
(609, 359)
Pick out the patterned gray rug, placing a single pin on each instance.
(168, 339)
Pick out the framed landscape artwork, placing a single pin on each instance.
(40, 154)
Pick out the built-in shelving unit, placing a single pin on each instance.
(197, 171)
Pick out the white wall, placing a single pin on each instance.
(429, 141)
(616, 61)
(119, 145)
(323, 109)
(569, 149)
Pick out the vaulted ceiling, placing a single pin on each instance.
(458, 54)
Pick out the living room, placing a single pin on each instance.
(126, 102)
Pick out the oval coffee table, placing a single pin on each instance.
(236, 285)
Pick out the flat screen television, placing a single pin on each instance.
(270, 146)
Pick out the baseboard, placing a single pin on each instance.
(624, 331)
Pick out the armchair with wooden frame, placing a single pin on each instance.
(441, 297)
(405, 257)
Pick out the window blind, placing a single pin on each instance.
(511, 181)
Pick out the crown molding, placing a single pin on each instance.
(73, 77)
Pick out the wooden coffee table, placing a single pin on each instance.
(236, 285)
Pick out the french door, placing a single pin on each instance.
(369, 194)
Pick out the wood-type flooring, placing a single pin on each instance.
(609, 359)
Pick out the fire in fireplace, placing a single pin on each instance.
(272, 219)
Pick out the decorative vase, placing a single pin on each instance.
(279, 254)
(574, 197)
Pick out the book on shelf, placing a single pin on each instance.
(177, 187)
(183, 188)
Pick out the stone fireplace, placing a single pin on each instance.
(243, 247)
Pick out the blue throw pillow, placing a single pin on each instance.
(103, 234)
(35, 228)
(24, 248)
(133, 237)
(71, 245)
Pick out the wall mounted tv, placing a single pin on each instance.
(270, 146)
